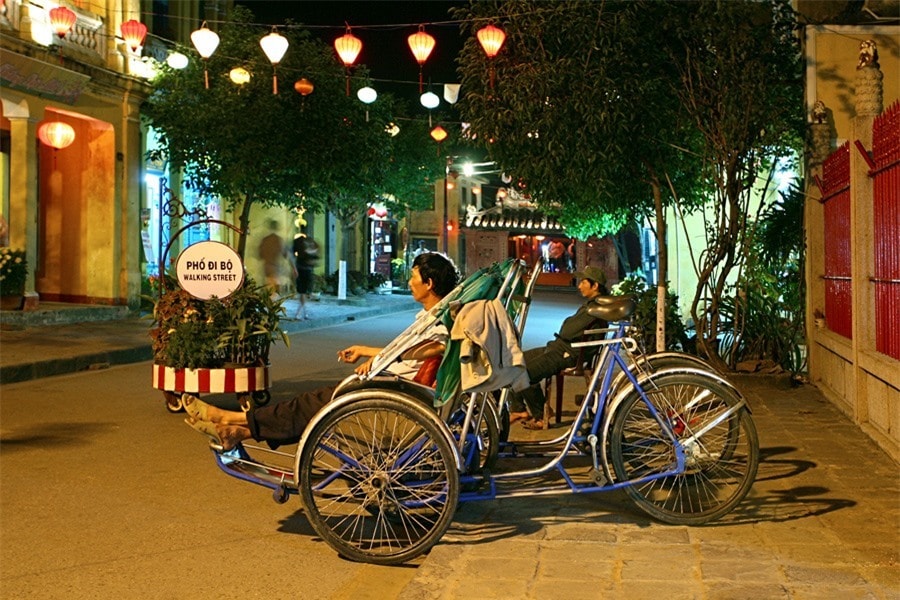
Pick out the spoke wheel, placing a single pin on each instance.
(720, 462)
(378, 480)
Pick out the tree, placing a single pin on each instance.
(614, 109)
(579, 109)
(325, 151)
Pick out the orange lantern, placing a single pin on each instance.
(62, 19)
(491, 39)
(439, 134)
(304, 86)
(421, 44)
(56, 134)
(348, 47)
(134, 33)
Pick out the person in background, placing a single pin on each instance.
(272, 251)
(558, 354)
(433, 277)
(306, 257)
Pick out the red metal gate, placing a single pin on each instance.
(835, 187)
(886, 215)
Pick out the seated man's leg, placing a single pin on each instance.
(284, 422)
(540, 363)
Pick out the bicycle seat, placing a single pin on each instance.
(611, 308)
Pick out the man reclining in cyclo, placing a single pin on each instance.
(432, 277)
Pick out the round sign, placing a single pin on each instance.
(209, 269)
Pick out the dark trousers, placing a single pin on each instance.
(540, 363)
(284, 422)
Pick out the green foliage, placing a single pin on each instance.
(13, 272)
(375, 280)
(767, 312)
(357, 282)
(644, 317)
(193, 333)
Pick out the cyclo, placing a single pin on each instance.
(381, 469)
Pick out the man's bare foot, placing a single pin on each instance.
(515, 417)
(232, 435)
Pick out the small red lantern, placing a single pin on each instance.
(421, 44)
(134, 33)
(56, 134)
(62, 20)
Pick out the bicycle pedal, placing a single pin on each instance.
(598, 477)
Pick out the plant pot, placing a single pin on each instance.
(11, 302)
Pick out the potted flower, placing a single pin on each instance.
(13, 272)
(215, 345)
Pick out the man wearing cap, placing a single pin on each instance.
(558, 354)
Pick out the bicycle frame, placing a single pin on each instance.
(601, 403)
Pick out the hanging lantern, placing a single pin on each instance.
(239, 75)
(421, 45)
(429, 100)
(274, 46)
(56, 134)
(392, 129)
(439, 134)
(62, 20)
(177, 60)
(367, 95)
(348, 47)
(491, 39)
(304, 86)
(206, 42)
(134, 33)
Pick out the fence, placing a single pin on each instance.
(835, 187)
(885, 165)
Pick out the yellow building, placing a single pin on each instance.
(81, 211)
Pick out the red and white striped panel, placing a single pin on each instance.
(211, 381)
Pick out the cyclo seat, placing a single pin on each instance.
(611, 308)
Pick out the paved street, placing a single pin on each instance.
(104, 494)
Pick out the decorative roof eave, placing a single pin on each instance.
(514, 221)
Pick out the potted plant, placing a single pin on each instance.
(215, 345)
(13, 272)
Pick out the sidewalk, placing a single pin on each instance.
(34, 345)
(821, 522)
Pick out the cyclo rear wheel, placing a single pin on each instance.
(378, 478)
(720, 461)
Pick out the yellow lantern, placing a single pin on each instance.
(205, 41)
(56, 134)
(348, 47)
(239, 75)
(439, 134)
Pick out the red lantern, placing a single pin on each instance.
(421, 45)
(134, 33)
(62, 19)
(56, 134)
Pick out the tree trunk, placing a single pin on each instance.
(662, 258)
(244, 224)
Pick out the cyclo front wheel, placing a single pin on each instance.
(721, 448)
(378, 478)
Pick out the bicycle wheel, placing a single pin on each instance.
(482, 445)
(721, 448)
(378, 479)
